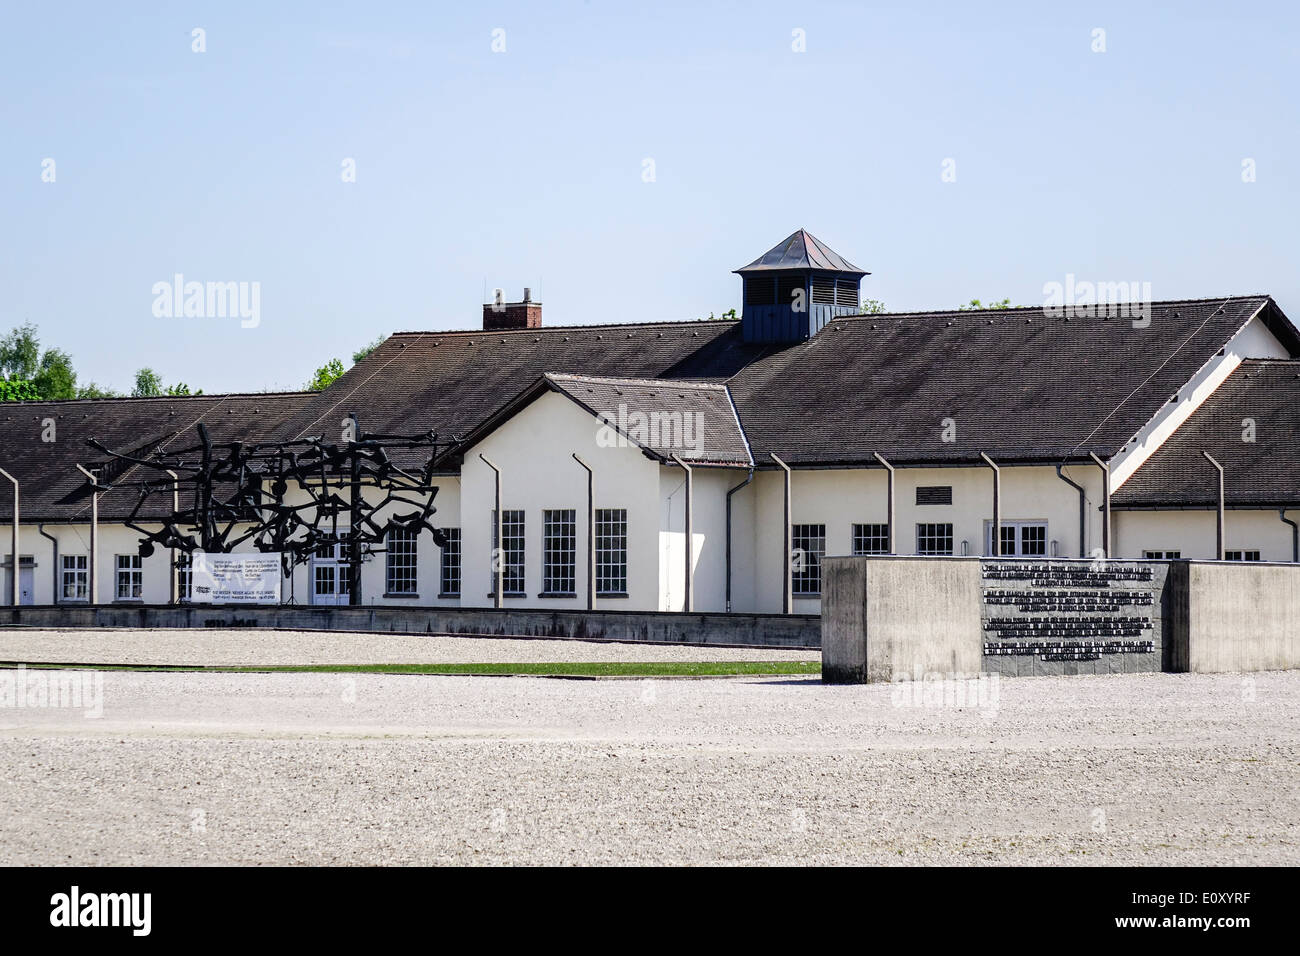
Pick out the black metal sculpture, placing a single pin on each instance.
(236, 492)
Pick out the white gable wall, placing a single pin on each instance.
(534, 452)
(1253, 341)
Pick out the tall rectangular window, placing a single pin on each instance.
(449, 585)
(76, 577)
(809, 544)
(934, 539)
(559, 551)
(611, 550)
(130, 577)
(1018, 539)
(400, 562)
(511, 551)
(184, 575)
(871, 539)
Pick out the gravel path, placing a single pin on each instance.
(238, 647)
(370, 769)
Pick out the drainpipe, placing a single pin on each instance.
(54, 599)
(591, 536)
(729, 494)
(688, 605)
(995, 544)
(1083, 509)
(1295, 535)
(786, 596)
(1218, 531)
(889, 499)
(17, 560)
(498, 559)
(354, 515)
(94, 533)
(176, 507)
(1105, 504)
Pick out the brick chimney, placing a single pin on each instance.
(499, 314)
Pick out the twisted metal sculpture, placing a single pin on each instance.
(237, 493)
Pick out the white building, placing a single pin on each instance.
(803, 430)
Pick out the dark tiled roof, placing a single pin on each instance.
(450, 382)
(1018, 386)
(1263, 473)
(802, 250)
(695, 421)
(53, 489)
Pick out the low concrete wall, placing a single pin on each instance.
(1234, 616)
(736, 630)
(885, 618)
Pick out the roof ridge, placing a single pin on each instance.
(157, 398)
(659, 382)
(658, 323)
(1039, 308)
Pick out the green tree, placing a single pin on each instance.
(325, 376)
(17, 390)
(365, 350)
(180, 388)
(873, 307)
(20, 353)
(147, 383)
(91, 390)
(56, 378)
(976, 304)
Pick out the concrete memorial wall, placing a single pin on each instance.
(1072, 617)
(902, 618)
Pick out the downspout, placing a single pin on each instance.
(729, 494)
(995, 542)
(176, 507)
(688, 605)
(786, 596)
(591, 536)
(54, 599)
(889, 499)
(16, 590)
(1083, 509)
(498, 559)
(1105, 504)
(1218, 531)
(354, 514)
(1295, 535)
(94, 533)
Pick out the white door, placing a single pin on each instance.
(26, 586)
(329, 575)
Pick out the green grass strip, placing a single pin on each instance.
(548, 669)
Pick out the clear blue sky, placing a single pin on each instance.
(522, 168)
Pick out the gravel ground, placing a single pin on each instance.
(375, 769)
(238, 647)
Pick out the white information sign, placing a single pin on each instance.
(235, 578)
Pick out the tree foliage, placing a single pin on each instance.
(325, 376)
(976, 304)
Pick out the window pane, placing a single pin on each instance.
(559, 551)
(611, 550)
(871, 539)
(400, 561)
(450, 562)
(808, 542)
